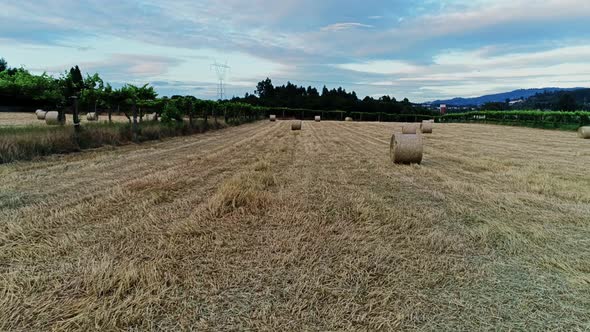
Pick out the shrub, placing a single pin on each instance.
(541, 119)
(171, 113)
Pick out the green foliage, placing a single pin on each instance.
(171, 112)
(303, 113)
(578, 99)
(3, 65)
(494, 106)
(567, 103)
(22, 87)
(299, 97)
(540, 119)
(72, 82)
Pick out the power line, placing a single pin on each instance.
(221, 70)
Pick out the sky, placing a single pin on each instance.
(423, 50)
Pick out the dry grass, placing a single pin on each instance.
(24, 119)
(317, 231)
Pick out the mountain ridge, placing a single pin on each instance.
(499, 97)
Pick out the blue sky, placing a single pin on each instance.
(422, 50)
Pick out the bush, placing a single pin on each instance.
(540, 119)
(171, 113)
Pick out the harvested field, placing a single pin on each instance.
(23, 119)
(316, 231)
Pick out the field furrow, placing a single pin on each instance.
(258, 227)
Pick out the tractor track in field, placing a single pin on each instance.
(114, 169)
(258, 227)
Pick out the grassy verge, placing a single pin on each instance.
(29, 142)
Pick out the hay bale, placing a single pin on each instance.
(52, 118)
(296, 125)
(410, 129)
(149, 117)
(92, 116)
(348, 118)
(584, 132)
(273, 118)
(426, 127)
(406, 149)
(318, 118)
(40, 114)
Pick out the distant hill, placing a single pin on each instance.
(499, 97)
(551, 100)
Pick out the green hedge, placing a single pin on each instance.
(540, 119)
(338, 115)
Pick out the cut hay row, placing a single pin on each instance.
(584, 132)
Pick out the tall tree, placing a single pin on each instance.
(77, 79)
(567, 102)
(265, 89)
(108, 100)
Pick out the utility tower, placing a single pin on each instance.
(221, 71)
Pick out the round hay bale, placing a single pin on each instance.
(406, 149)
(149, 117)
(584, 132)
(348, 118)
(296, 125)
(410, 129)
(273, 118)
(40, 114)
(426, 127)
(92, 116)
(318, 118)
(52, 118)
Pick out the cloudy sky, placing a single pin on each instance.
(422, 50)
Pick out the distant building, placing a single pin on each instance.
(514, 102)
(443, 109)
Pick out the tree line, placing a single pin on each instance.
(20, 88)
(564, 101)
(300, 97)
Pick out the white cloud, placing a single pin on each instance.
(345, 26)
(179, 39)
(385, 67)
(479, 71)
